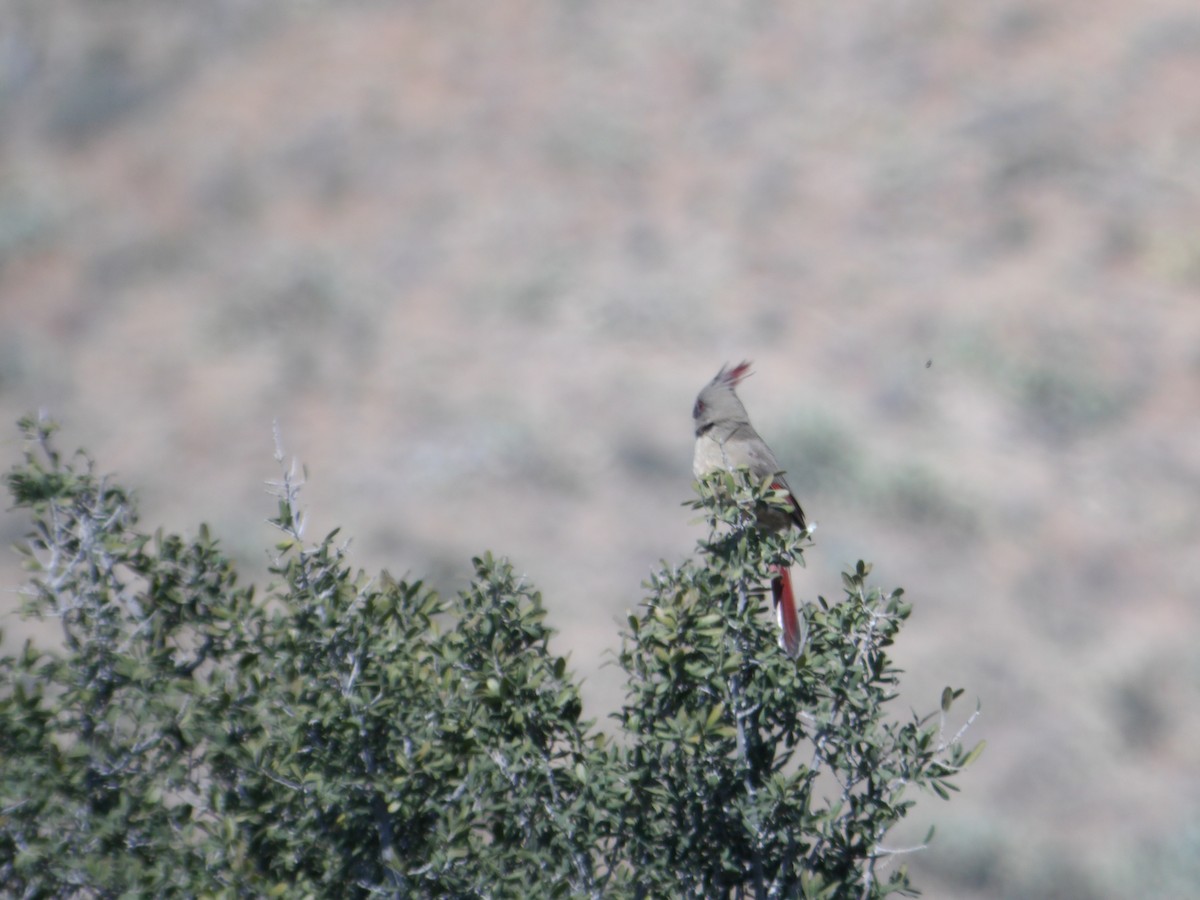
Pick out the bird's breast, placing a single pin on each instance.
(709, 456)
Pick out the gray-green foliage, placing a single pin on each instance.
(344, 735)
(754, 773)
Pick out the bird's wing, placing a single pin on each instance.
(754, 453)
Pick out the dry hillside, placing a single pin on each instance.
(478, 259)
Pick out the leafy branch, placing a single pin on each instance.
(340, 734)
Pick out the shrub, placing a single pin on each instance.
(344, 735)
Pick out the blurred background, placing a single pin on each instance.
(478, 258)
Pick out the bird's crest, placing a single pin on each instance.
(733, 377)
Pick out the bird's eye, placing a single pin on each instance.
(697, 409)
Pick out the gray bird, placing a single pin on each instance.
(725, 439)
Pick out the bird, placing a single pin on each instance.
(725, 440)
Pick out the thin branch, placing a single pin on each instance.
(742, 714)
(881, 851)
(958, 735)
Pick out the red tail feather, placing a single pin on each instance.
(791, 638)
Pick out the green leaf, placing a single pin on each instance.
(714, 715)
(975, 753)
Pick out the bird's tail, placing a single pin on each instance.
(791, 632)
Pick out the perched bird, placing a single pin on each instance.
(725, 439)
